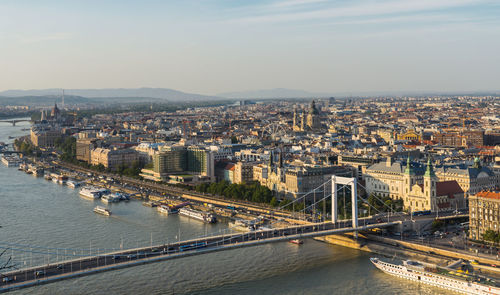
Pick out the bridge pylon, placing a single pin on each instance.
(350, 181)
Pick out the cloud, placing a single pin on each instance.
(421, 18)
(291, 3)
(360, 9)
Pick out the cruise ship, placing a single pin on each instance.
(11, 161)
(102, 210)
(199, 215)
(90, 193)
(438, 277)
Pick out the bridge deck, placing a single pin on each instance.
(131, 257)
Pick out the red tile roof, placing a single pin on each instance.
(488, 195)
(229, 166)
(448, 188)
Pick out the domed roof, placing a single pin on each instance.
(313, 109)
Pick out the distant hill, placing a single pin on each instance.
(49, 100)
(273, 93)
(155, 93)
(44, 100)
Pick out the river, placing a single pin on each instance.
(36, 215)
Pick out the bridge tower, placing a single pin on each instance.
(351, 181)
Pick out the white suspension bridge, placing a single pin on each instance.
(69, 263)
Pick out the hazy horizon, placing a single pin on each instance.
(215, 47)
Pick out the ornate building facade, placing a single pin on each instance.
(419, 187)
(309, 121)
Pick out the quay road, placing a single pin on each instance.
(190, 195)
(44, 274)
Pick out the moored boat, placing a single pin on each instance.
(72, 184)
(149, 204)
(242, 225)
(38, 171)
(166, 209)
(102, 211)
(199, 215)
(91, 193)
(11, 161)
(110, 198)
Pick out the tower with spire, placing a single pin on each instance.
(43, 117)
(430, 184)
(296, 119)
(54, 114)
(409, 176)
(313, 119)
(270, 163)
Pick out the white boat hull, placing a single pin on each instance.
(441, 281)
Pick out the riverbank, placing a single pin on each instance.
(407, 250)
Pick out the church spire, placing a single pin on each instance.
(429, 172)
(408, 169)
(270, 159)
(281, 157)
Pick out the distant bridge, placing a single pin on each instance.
(13, 122)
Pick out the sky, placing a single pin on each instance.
(214, 46)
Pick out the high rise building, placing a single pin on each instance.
(175, 160)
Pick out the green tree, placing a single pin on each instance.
(491, 236)
(437, 224)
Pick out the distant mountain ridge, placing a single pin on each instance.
(273, 93)
(158, 93)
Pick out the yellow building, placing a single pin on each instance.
(410, 135)
(113, 159)
(420, 190)
(44, 137)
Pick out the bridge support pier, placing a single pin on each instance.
(351, 181)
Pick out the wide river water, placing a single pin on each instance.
(36, 215)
